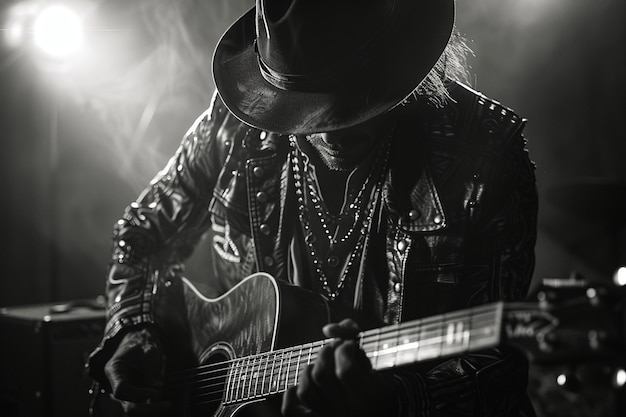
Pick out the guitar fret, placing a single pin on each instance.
(456, 337)
(319, 347)
(386, 353)
(248, 377)
(251, 375)
(256, 376)
(408, 346)
(229, 379)
(280, 371)
(242, 369)
(272, 375)
(238, 370)
(245, 376)
(295, 378)
(235, 368)
(396, 342)
(308, 361)
(286, 368)
(430, 332)
(375, 352)
(278, 378)
(263, 392)
(270, 366)
(287, 372)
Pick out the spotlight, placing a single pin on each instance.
(619, 278)
(568, 380)
(619, 378)
(58, 31)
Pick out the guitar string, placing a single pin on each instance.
(435, 321)
(258, 366)
(397, 332)
(272, 370)
(200, 392)
(391, 333)
(204, 387)
(412, 326)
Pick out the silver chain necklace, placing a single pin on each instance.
(306, 187)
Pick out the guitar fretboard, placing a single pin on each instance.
(274, 372)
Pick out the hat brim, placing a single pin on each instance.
(413, 47)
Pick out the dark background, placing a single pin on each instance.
(79, 143)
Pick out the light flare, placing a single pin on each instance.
(58, 31)
(619, 278)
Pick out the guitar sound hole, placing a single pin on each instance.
(202, 392)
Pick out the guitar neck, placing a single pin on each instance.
(258, 376)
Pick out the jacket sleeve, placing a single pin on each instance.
(160, 228)
(500, 246)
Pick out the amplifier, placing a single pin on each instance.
(43, 349)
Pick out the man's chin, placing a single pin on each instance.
(335, 163)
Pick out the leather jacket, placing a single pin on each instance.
(460, 202)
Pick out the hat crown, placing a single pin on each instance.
(307, 66)
(316, 44)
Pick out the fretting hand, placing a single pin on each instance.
(341, 382)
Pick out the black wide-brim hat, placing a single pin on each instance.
(310, 66)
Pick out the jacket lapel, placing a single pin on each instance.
(409, 192)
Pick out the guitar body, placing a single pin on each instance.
(258, 315)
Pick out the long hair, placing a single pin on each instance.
(451, 66)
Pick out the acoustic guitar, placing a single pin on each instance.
(253, 342)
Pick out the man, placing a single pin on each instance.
(340, 156)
